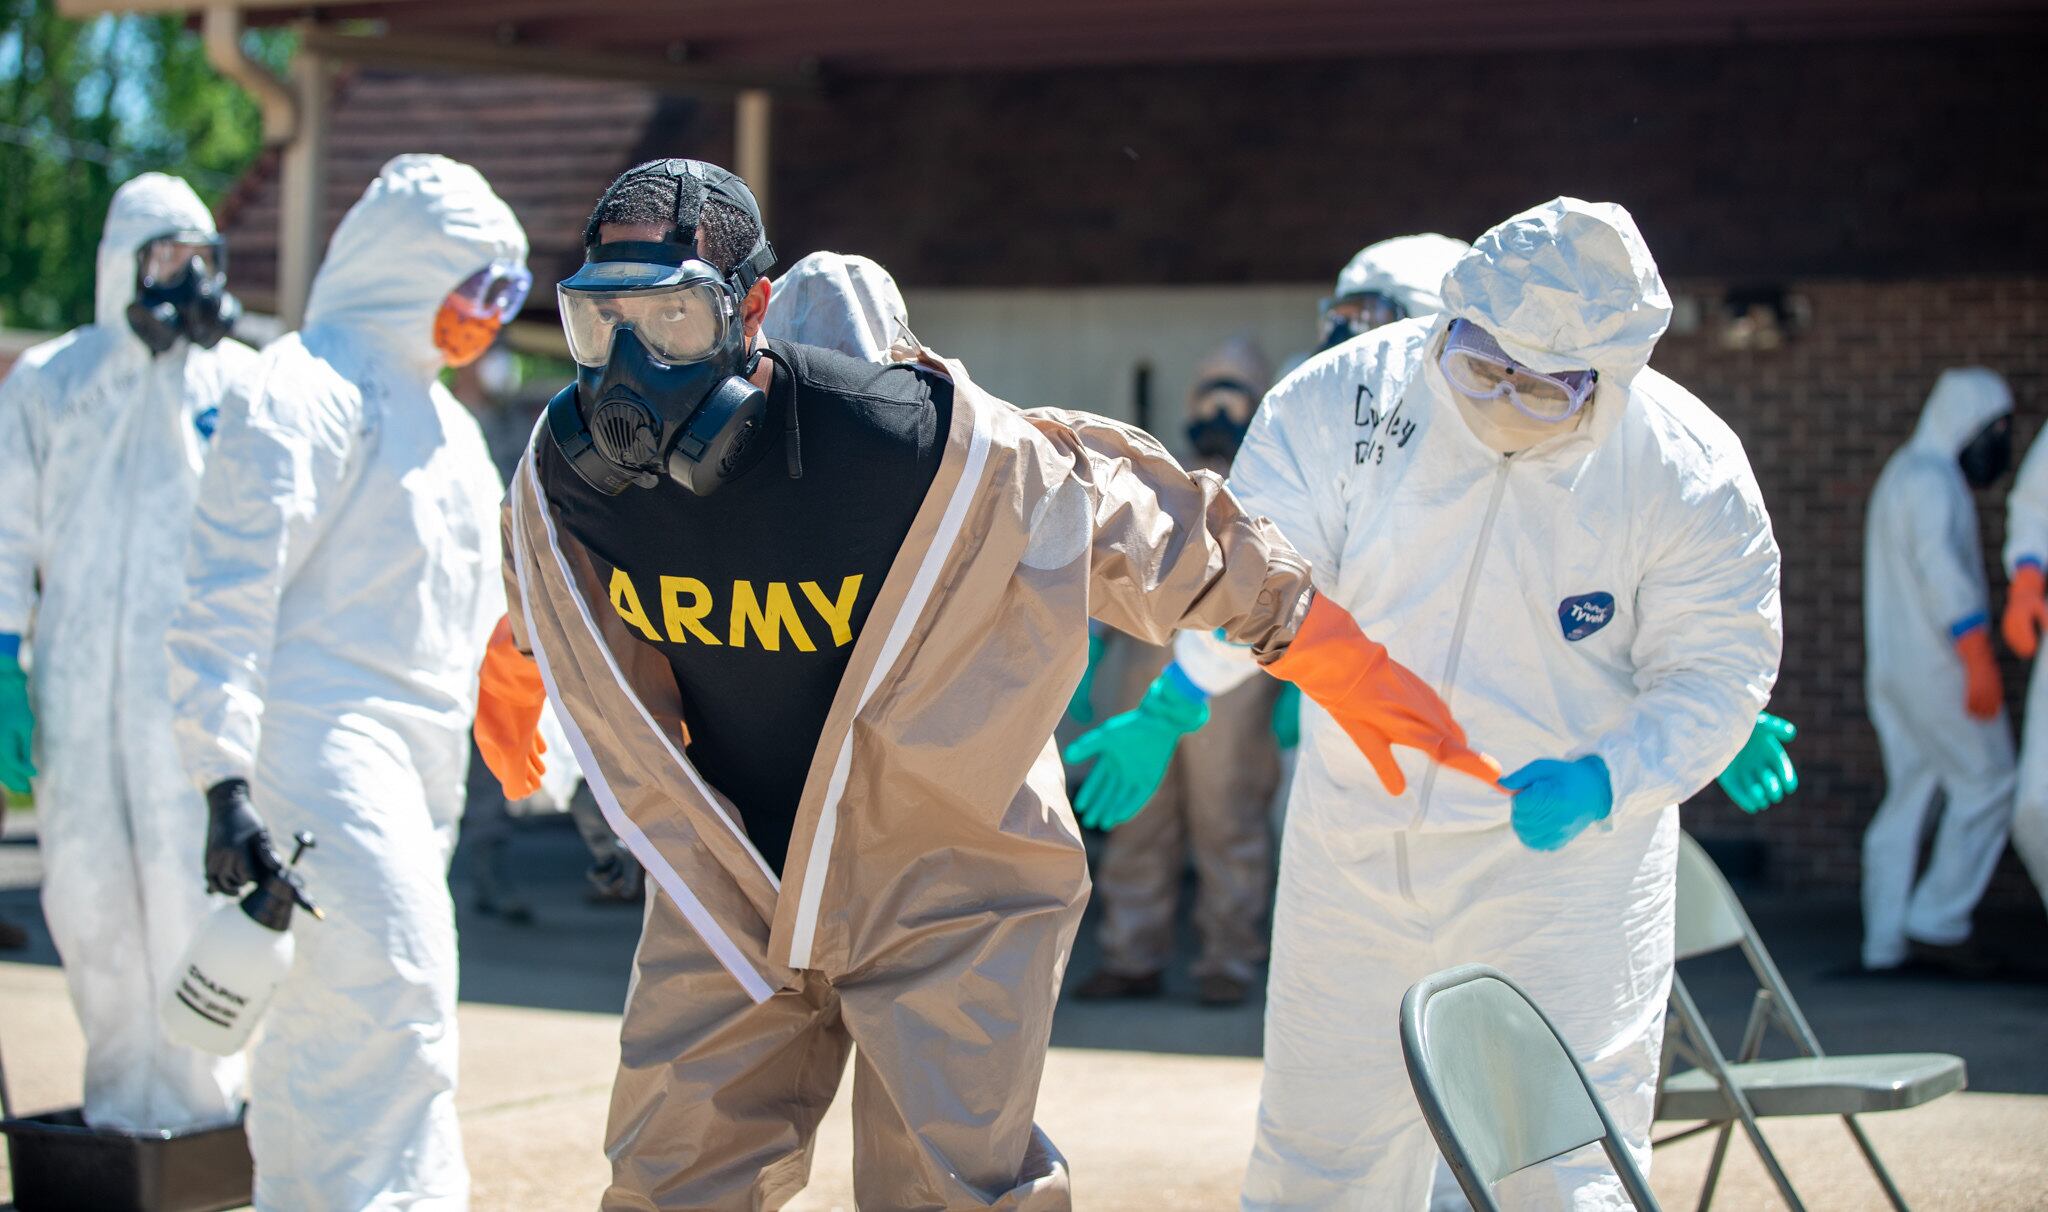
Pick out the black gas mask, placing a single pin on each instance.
(1215, 433)
(1987, 456)
(181, 291)
(662, 365)
(1348, 316)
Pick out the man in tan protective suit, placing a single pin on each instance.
(1212, 808)
(912, 881)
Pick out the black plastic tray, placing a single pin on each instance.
(60, 1165)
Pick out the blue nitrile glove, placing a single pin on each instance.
(1079, 707)
(1287, 716)
(1555, 801)
(1131, 751)
(1762, 774)
(17, 720)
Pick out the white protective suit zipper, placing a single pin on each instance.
(1444, 688)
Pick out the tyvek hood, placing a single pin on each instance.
(1963, 402)
(1407, 269)
(1239, 360)
(1565, 286)
(144, 208)
(841, 302)
(424, 225)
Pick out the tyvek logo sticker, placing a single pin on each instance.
(1583, 614)
(206, 421)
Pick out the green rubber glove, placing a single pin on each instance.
(1079, 707)
(1762, 774)
(1131, 751)
(17, 723)
(1287, 716)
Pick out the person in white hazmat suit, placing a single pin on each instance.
(344, 581)
(1577, 552)
(106, 431)
(1389, 280)
(1932, 680)
(2026, 614)
(839, 301)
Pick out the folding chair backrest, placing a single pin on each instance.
(1501, 1080)
(1709, 917)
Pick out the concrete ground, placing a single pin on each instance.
(1152, 1102)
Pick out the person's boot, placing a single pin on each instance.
(1221, 989)
(1106, 985)
(1965, 959)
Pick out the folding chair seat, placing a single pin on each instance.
(1816, 1085)
(1724, 1092)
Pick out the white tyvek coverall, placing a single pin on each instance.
(838, 301)
(2026, 537)
(1407, 269)
(1467, 565)
(1923, 573)
(104, 446)
(344, 582)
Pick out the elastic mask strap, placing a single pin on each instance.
(792, 440)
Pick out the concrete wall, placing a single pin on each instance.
(1083, 347)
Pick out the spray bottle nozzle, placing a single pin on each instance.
(280, 889)
(305, 842)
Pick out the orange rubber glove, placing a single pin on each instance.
(509, 698)
(1378, 701)
(1984, 694)
(2026, 610)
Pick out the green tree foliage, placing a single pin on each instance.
(85, 105)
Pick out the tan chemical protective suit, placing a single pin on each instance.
(1213, 810)
(935, 875)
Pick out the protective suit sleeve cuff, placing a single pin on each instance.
(1211, 664)
(1177, 679)
(214, 769)
(2026, 561)
(1968, 623)
(10, 646)
(1169, 701)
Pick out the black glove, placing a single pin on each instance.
(238, 849)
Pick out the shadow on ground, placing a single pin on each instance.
(576, 955)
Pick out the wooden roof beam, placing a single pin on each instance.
(421, 53)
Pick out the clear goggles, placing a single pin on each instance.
(495, 292)
(1363, 312)
(165, 260)
(679, 316)
(1476, 365)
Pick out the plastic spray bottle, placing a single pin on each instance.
(231, 970)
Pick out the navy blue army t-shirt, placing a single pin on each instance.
(757, 593)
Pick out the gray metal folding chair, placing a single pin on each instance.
(1724, 1092)
(1500, 1090)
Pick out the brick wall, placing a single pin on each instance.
(1819, 417)
(549, 147)
(1881, 159)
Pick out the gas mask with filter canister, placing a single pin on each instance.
(181, 291)
(662, 365)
